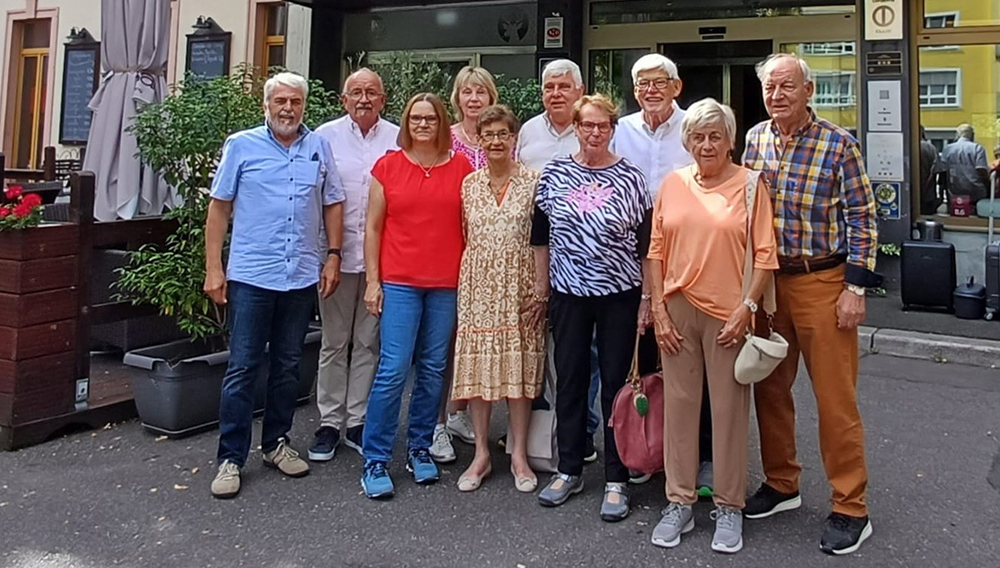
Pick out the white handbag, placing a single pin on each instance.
(543, 451)
(759, 356)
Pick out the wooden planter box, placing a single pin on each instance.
(38, 305)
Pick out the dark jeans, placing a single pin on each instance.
(260, 318)
(573, 320)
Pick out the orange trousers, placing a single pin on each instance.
(807, 318)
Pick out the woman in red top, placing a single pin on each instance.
(413, 249)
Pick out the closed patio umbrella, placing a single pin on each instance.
(134, 42)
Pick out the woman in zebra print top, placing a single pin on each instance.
(590, 230)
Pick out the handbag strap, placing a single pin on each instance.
(750, 196)
(634, 380)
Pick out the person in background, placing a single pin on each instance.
(995, 169)
(965, 161)
(500, 346)
(827, 235)
(413, 247)
(473, 90)
(697, 251)
(930, 200)
(544, 138)
(590, 230)
(278, 183)
(651, 139)
(357, 139)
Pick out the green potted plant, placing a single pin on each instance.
(179, 389)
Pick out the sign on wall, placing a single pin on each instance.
(208, 49)
(883, 20)
(81, 72)
(553, 33)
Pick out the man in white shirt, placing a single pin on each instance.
(651, 137)
(357, 140)
(551, 134)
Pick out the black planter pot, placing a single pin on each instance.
(177, 393)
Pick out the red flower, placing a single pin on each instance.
(22, 210)
(31, 200)
(14, 191)
(4, 211)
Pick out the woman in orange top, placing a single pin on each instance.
(696, 254)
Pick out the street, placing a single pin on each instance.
(120, 497)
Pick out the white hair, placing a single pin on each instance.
(562, 67)
(708, 112)
(764, 67)
(652, 62)
(293, 80)
(358, 73)
(965, 131)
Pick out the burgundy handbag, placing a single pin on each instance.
(637, 419)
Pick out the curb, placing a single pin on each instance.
(929, 347)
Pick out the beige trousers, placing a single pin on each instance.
(683, 377)
(344, 383)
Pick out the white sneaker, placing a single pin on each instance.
(460, 426)
(441, 450)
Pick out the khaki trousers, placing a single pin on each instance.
(807, 318)
(683, 379)
(344, 383)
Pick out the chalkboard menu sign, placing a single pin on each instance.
(208, 49)
(81, 71)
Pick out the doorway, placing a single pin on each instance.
(725, 72)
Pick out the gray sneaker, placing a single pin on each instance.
(226, 484)
(728, 530)
(560, 488)
(615, 507)
(677, 520)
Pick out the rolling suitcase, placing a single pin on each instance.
(928, 275)
(992, 259)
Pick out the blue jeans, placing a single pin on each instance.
(415, 330)
(594, 415)
(259, 318)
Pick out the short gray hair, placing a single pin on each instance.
(764, 67)
(562, 67)
(966, 131)
(293, 80)
(708, 112)
(360, 72)
(653, 61)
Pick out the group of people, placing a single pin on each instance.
(474, 256)
(961, 169)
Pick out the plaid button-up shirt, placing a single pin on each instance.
(823, 200)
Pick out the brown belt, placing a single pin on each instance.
(807, 265)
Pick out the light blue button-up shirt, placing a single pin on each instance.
(278, 196)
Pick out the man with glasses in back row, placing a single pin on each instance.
(358, 139)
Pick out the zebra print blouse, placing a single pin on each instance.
(590, 218)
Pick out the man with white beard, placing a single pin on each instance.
(279, 183)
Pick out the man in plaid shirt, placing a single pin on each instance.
(825, 222)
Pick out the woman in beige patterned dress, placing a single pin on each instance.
(499, 351)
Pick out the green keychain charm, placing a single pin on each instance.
(641, 403)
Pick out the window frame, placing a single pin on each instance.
(852, 89)
(853, 51)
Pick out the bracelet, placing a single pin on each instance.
(647, 296)
(539, 299)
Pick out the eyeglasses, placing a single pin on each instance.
(588, 127)
(430, 119)
(659, 83)
(357, 94)
(502, 136)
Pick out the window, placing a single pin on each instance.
(275, 25)
(942, 20)
(940, 137)
(940, 88)
(32, 68)
(834, 89)
(611, 74)
(828, 48)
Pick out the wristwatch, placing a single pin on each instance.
(334, 251)
(856, 290)
(750, 304)
(647, 297)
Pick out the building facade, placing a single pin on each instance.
(943, 56)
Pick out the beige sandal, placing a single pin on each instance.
(524, 484)
(468, 483)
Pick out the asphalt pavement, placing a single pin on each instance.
(122, 497)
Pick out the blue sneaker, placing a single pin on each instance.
(375, 481)
(423, 468)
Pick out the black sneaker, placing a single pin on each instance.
(353, 438)
(766, 502)
(324, 445)
(843, 534)
(589, 451)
